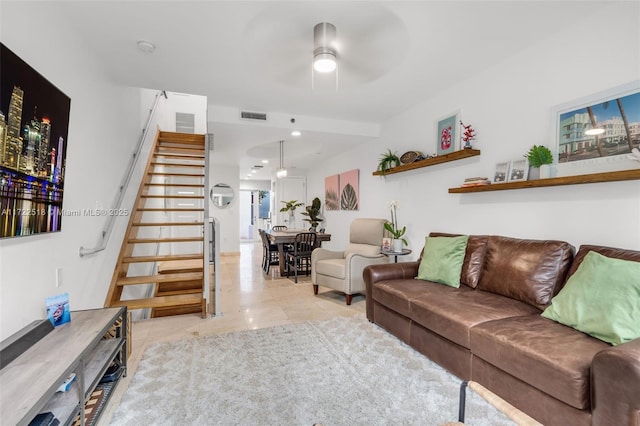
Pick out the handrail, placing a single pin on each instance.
(106, 231)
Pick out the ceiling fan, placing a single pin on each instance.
(363, 45)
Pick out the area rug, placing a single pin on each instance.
(343, 371)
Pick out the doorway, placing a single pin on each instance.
(254, 213)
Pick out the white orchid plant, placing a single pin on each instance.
(393, 227)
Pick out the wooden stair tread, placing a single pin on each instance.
(176, 292)
(156, 164)
(180, 136)
(190, 157)
(167, 224)
(184, 145)
(161, 278)
(175, 174)
(161, 301)
(176, 150)
(161, 258)
(165, 240)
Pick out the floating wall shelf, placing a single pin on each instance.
(558, 181)
(445, 158)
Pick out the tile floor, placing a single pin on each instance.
(250, 299)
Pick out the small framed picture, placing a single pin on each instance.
(447, 134)
(502, 172)
(386, 244)
(519, 170)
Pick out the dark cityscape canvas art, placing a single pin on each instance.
(34, 123)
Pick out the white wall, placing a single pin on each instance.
(103, 129)
(228, 217)
(510, 105)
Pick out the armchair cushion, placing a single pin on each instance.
(331, 267)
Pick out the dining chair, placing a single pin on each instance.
(269, 252)
(300, 257)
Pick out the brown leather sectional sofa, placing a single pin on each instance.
(490, 330)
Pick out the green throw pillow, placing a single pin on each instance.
(601, 299)
(442, 260)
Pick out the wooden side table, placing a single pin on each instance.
(404, 252)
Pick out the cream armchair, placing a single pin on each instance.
(342, 270)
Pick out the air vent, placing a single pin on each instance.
(185, 123)
(247, 115)
(257, 166)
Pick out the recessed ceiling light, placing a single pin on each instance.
(265, 161)
(146, 46)
(254, 171)
(295, 133)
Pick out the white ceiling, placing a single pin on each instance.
(256, 56)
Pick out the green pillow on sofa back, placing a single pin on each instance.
(442, 260)
(601, 299)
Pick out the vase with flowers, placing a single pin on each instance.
(395, 230)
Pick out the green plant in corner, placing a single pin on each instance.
(388, 160)
(313, 213)
(539, 155)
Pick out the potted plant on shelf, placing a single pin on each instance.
(291, 206)
(388, 160)
(313, 213)
(540, 158)
(394, 229)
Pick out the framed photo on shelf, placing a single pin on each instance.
(447, 134)
(502, 172)
(598, 130)
(518, 170)
(386, 244)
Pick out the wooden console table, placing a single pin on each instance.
(85, 346)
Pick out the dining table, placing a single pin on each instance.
(287, 236)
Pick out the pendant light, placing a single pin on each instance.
(282, 172)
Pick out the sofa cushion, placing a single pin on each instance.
(331, 267)
(473, 258)
(615, 253)
(549, 356)
(398, 294)
(452, 313)
(602, 299)
(531, 271)
(442, 260)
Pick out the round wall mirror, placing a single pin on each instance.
(221, 194)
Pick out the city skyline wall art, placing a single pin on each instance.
(34, 123)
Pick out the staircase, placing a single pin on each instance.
(163, 245)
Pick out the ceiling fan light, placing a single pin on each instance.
(325, 62)
(281, 173)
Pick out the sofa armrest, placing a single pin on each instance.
(615, 385)
(391, 271)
